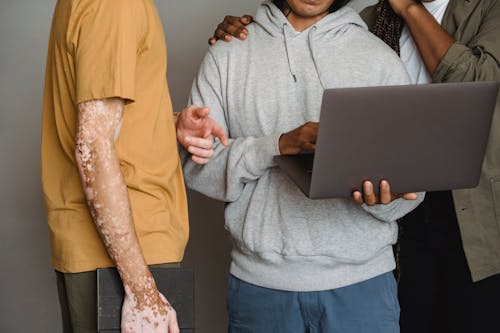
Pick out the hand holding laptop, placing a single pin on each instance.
(300, 140)
(442, 132)
(303, 140)
(386, 197)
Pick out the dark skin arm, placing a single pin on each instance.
(431, 39)
(232, 26)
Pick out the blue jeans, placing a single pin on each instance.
(367, 307)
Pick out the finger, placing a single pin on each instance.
(246, 19)
(368, 194)
(358, 198)
(385, 192)
(410, 196)
(189, 110)
(219, 132)
(200, 112)
(173, 326)
(242, 32)
(233, 26)
(222, 35)
(312, 131)
(199, 160)
(212, 41)
(203, 153)
(203, 143)
(308, 147)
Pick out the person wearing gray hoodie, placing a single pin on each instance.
(298, 265)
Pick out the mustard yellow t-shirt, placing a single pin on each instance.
(100, 49)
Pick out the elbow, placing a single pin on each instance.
(464, 64)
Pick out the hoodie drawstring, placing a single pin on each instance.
(310, 39)
(287, 50)
(312, 50)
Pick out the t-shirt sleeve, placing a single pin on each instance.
(106, 48)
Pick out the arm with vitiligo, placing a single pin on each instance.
(144, 309)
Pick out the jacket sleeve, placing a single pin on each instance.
(245, 160)
(478, 59)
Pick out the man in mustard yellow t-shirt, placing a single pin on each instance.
(112, 179)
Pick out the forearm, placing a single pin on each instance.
(107, 194)
(431, 39)
(243, 161)
(110, 210)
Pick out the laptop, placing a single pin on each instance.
(418, 137)
(177, 284)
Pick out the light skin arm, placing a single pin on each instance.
(431, 39)
(144, 308)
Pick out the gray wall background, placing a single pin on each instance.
(28, 296)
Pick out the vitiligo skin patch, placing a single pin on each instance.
(144, 308)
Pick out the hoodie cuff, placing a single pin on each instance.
(260, 153)
(394, 210)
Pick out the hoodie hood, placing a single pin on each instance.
(273, 21)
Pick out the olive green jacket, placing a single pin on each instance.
(475, 56)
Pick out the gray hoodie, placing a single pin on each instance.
(265, 86)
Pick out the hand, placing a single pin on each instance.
(401, 6)
(231, 26)
(148, 314)
(300, 140)
(385, 196)
(196, 131)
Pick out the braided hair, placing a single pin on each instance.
(336, 5)
(388, 25)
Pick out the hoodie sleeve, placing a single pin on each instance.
(245, 160)
(395, 210)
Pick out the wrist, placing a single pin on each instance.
(282, 144)
(176, 117)
(145, 286)
(410, 11)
